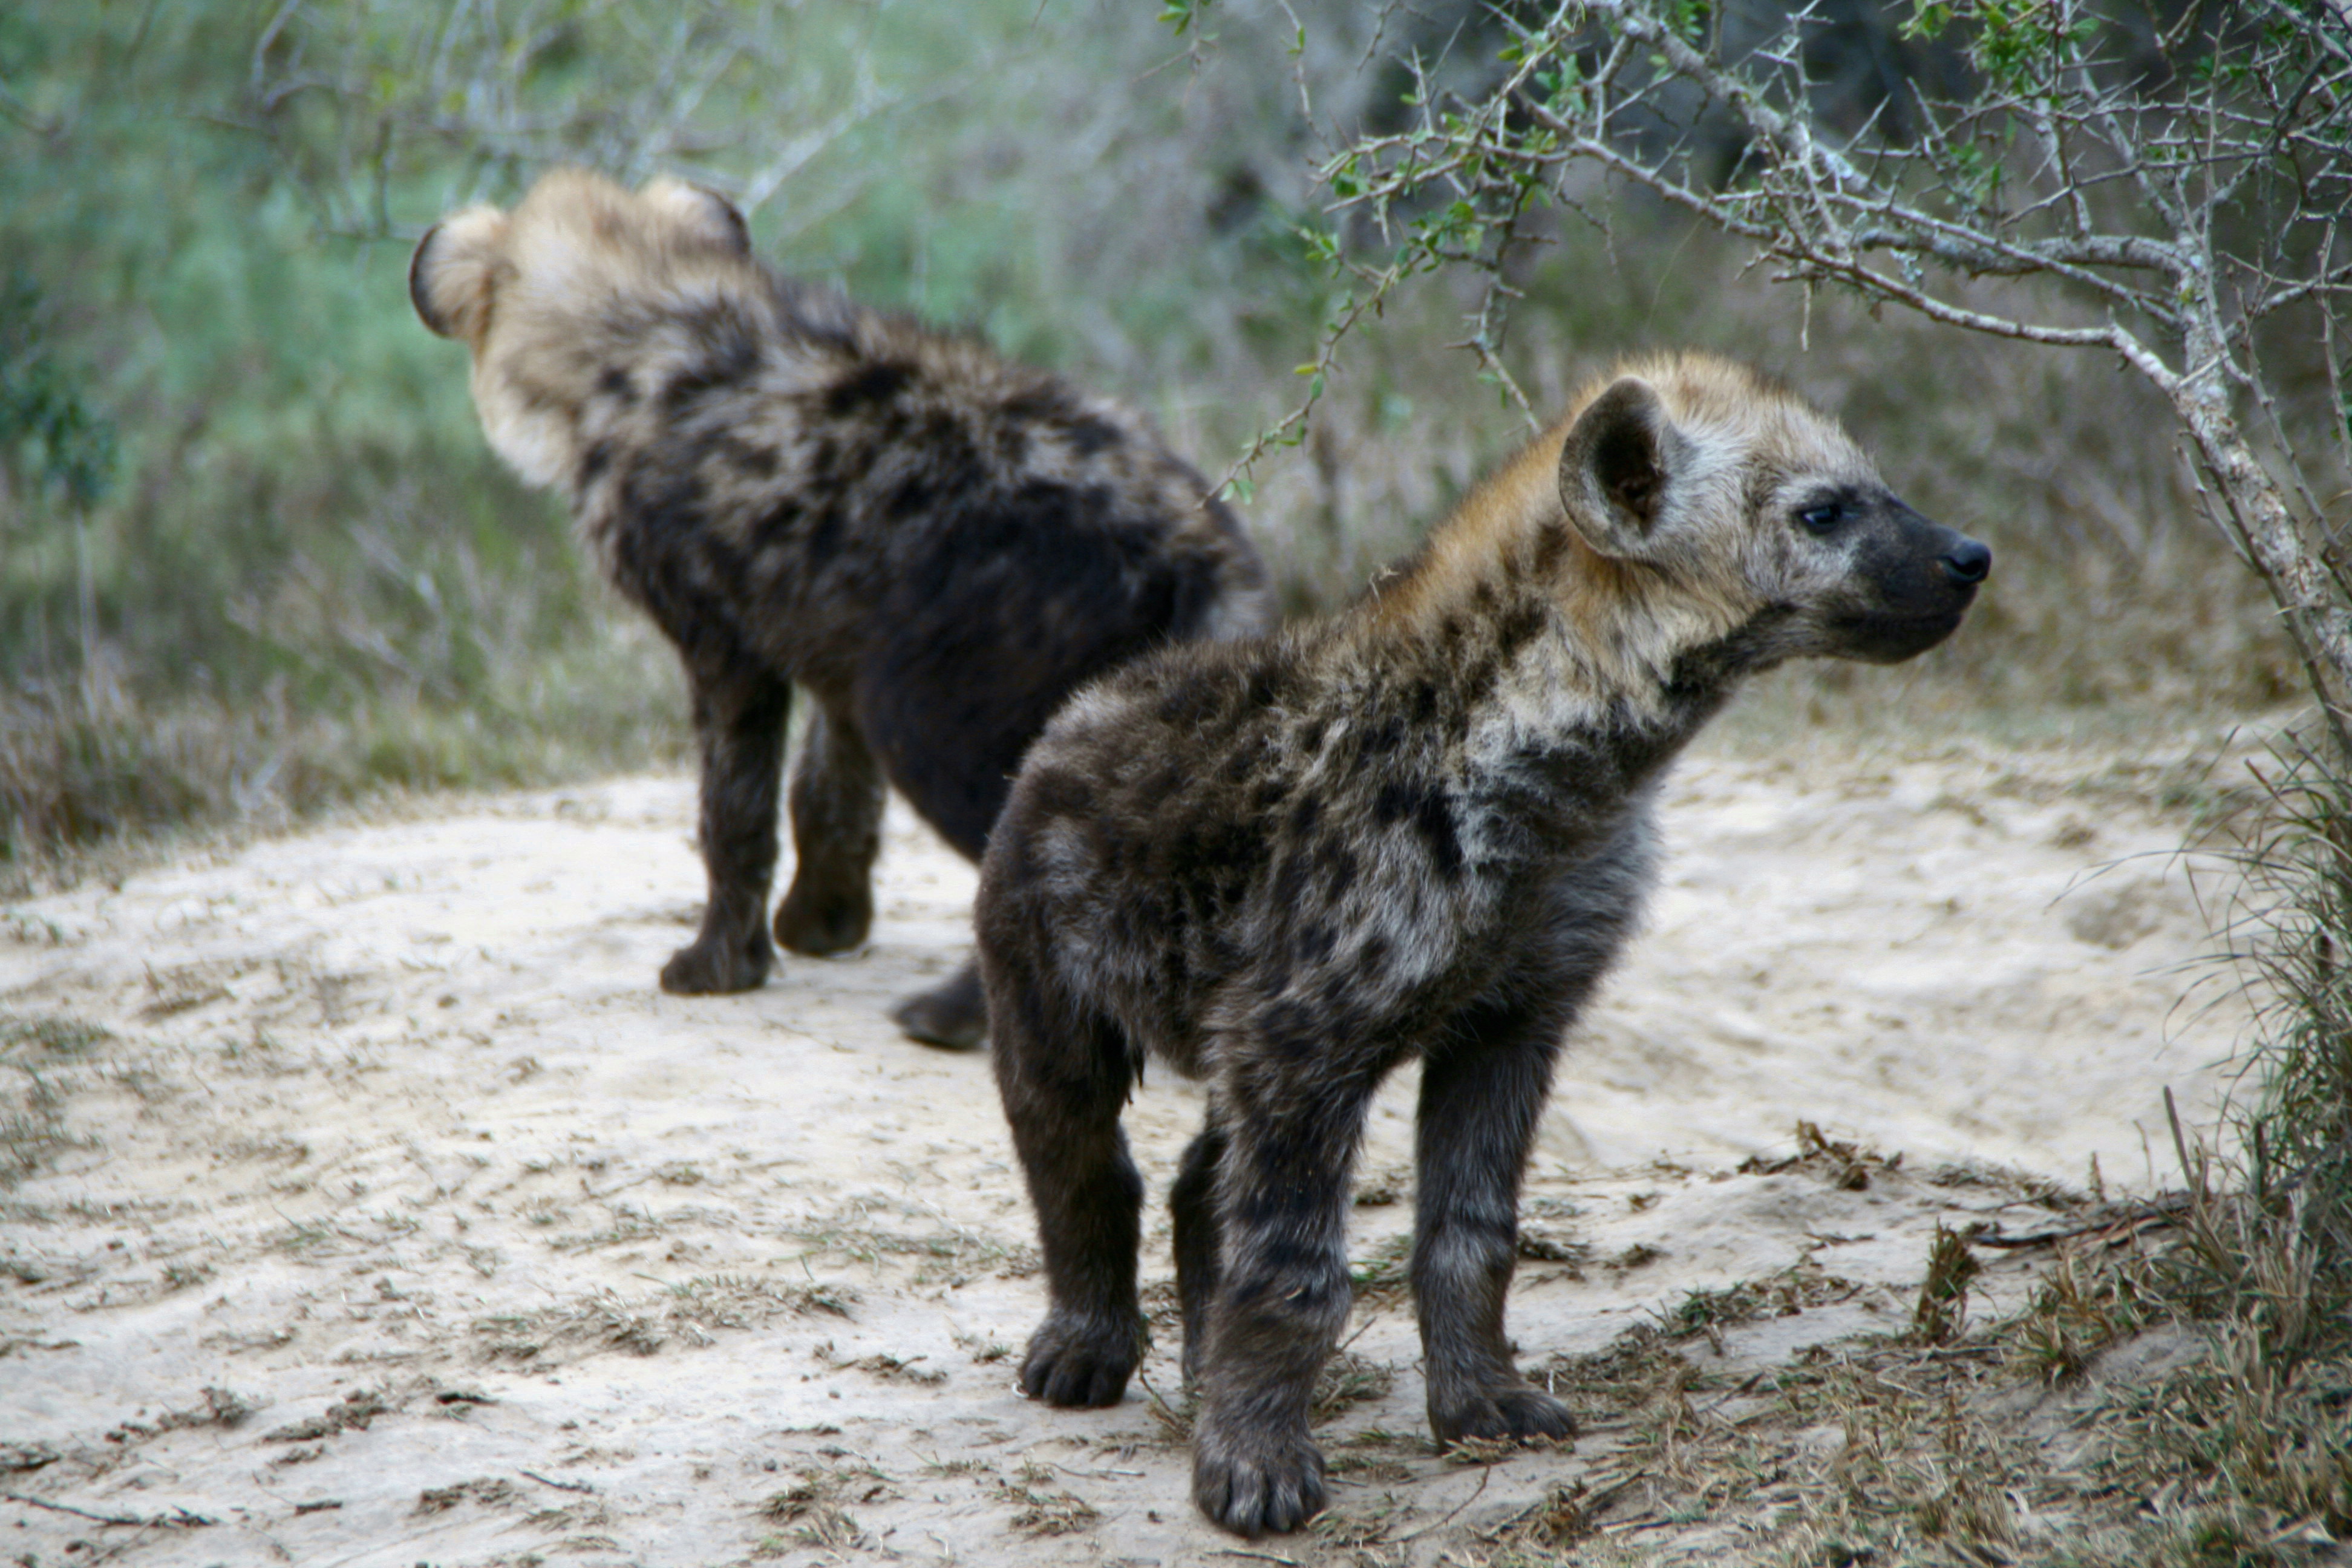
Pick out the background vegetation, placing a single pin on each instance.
(255, 558)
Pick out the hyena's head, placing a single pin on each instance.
(1746, 499)
(569, 296)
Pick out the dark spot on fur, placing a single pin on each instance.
(1043, 404)
(911, 497)
(1551, 544)
(1090, 434)
(1337, 865)
(760, 462)
(1059, 793)
(824, 535)
(878, 381)
(1289, 1031)
(730, 356)
(616, 384)
(1517, 627)
(595, 461)
(1424, 809)
(1182, 706)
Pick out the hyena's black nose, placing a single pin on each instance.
(1968, 561)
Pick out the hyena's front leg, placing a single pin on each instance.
(1280, 1300)
(1065, 1083)
(837, 805)
(1480, 1098)
(740, 715)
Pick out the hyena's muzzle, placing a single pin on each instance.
(1909, 582)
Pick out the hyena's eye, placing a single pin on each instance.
(1820, 518)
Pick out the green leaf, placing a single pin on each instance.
(1181, 14)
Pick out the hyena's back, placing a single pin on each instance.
(990, 544)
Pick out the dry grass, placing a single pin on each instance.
(1042, 1507)
(942, 1252)
(815, 1505)
(2177, 1392)
(644, 1326)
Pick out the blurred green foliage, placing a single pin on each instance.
(48, 436)
(306, 565)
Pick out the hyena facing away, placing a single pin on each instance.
(937, 546)
(1420, 829)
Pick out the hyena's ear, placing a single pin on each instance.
(1620, 458)
(451, 275)
(702, 211)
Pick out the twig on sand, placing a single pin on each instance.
(178, 1519)
(2116, 1225)
(558, 1486)
(1484, 1474)
(1260, 1556)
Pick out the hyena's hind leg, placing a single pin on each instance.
(740, 715)
(1480, 1098)
(953, 1014)
(837, 793)
(1065, 1078)
(1192, 1206)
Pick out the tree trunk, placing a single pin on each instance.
(2311, 602)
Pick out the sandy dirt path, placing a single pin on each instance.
(370, 1205)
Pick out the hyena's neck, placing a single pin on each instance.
(1565, 673)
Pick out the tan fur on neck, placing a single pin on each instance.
(1626, 617)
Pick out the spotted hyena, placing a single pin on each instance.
(935, 545)
(1419, 829)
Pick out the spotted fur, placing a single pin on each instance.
(934, 544)
(1419, 829)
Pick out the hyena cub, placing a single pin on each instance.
(1419, 830)
(937, 546)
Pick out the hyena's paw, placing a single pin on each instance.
(1256, 1483)
(712, 966)
(818, 922)
(953, 1014)
(1081, 1362)
(1512, 1414)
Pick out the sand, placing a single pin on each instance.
(382, 1212)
